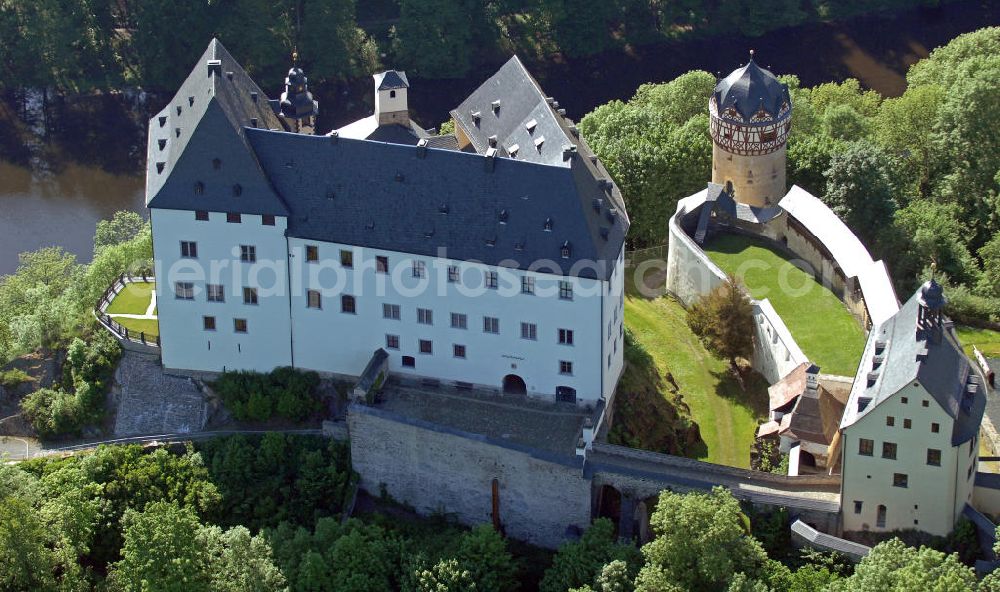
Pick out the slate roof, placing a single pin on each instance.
(388, 196)
(750, 89)
(368, 128)
(391, 79)
(203, 126)
(909, 355)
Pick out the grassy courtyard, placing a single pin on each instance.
(988, 341)
(135, 299)
(820, 323)
(726, 416)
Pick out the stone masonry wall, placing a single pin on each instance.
(436, 469)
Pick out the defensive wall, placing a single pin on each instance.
(803, 228)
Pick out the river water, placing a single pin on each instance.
(61, 207)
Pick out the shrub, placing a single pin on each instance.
(13, 377)
(284, 392)
(53, 412)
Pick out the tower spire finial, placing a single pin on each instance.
(751, 55)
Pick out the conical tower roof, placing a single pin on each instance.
(750, 89)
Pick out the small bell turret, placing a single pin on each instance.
(297, 106)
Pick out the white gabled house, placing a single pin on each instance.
(910, 432)
(492, 257)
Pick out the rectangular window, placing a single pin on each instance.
(527, 285)
(392, 341)
(347, 259)
(935, 428)
(490, 280)
(314, 299)
(889, 450)
(209, 323)
(900, 480)
(565, 337)
(425, 316)
(184, 290)
(491, 325)
(419, 269)
(312, 253)
(249, 295)
(248, 253)
(907, 424)
(565, 290)
(934, 457)
(857, 506)
(189, 249)
(233, 217)
(426, 347)
(453, 274)
(201, 216)
(529, 331)
(458, 351)
(381, 264)
(390, 311)
(905, 400)
(216, 293)
(409, 362)
(348, 304)
(924, 403)
(866, 447)
(459, 321)
(890, 421)
(240, 325)
(267, 220)
(565, 367)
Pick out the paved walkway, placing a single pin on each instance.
(151, 402)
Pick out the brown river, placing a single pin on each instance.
(62, 207)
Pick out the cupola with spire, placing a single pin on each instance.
(297, 106)
(751, 115)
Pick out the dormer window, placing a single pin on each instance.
(495, 105)
(161, 143)
(177, 132)
(503, 216)
(530, 126)
(237, 190)
(199, 188)
(538, 143)
(564, 250)
(190, 101)
(512, 151)
(178, 109)
(547, 227)
(216, 163)
(163, 120)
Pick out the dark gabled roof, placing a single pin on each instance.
(388, 196)
(512, 107)
(750, 89)
(913, 354)
(203, 126)
(446, 142)
(391, 79)
(398, 134)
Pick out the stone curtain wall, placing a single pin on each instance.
(690, 273)
(775, 352)
(435, 469)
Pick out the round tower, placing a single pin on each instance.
(751, 114)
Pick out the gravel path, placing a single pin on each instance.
(151, 402)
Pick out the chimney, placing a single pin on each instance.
(422, 148)
(812, 380)
(491, 157)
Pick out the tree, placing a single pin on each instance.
(723, 319)
(330, 44)
(901, 126)
(162, 551)
(26, 563)
(123, 227)
(862, 185)
(927, 232)
(579, 27)
(892, 566)
(440, 38)
(578, 563)
(240, 562)
(989, 284)
(446, 575)
(157, 56)
(702, 542)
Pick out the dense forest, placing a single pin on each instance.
(83, 45)
(916, 177)
(265, 513)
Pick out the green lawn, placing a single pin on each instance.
(150, 326)
(726, 420)
(988, 341)
(133, 299)
(820, 323)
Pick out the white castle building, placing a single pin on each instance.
(491, 258)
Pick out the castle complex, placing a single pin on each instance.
(482, 272)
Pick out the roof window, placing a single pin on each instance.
(538, 143)
(612, 214)
(531, 125)
(163, 120)
(161, 143)
(177, 132)
(178, 109)
(512, 151)
(443, 208)
(492, 141)
(503, 216)
(190, 101)
(216, 163)
(491, 242)
(253, 96)
(565, 250)
(548, 225)
(495, 105)
(237, 190)
(199, 188)
(253, 122)
(159, 166)
(597, 203)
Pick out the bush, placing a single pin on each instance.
(284, 392)
(53, 412)
(13, 377)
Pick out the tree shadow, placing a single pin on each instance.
(754, 399)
